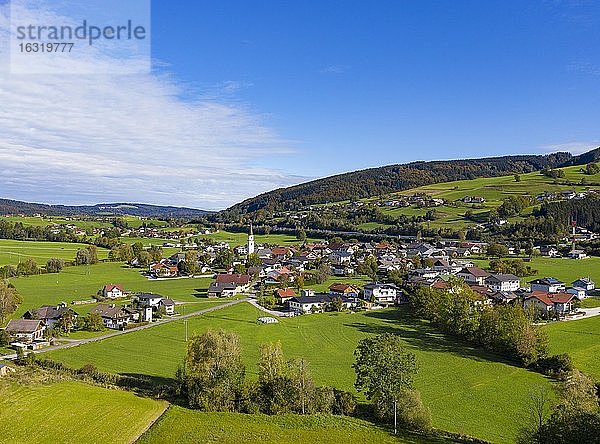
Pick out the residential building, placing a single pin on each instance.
(473, 275)
(503, 282)
(113, 291)
(547, 284)
(559, 303)
(49, 314)
(381, 293)
(26, 330)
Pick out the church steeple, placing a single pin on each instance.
(251, 240)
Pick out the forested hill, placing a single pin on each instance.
(389, 179)
(113, 209)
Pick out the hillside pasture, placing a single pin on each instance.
(188, 426)
(73, 412)
(467, 390)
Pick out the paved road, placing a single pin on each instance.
(281, 314)
(589, 312)
(75, 342)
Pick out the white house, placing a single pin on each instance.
(381, 293)
(577, 254)
(548, 285)
(503, 282)
(26, 330)
(112, 291)
(586, 283)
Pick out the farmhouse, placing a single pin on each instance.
(114, 317)
(503, 282)
(560, 303)
(149, 299)
(227, 285)
(381, 293)
(113, 291)
(49, 314)
(162, 270)
(168, 304)
(26, 330)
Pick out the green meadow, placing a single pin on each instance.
(467, 390)
(581, 340)
(564, 269)
(73, 412)
(14, 251)
(187, 426)
(83, 282)
(235, 239)
(49, 220)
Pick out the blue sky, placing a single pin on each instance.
(247, 96)
(355, 83)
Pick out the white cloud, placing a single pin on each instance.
(574, 148)
(87, 139)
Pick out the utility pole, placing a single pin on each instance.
(302, 370)
(395, 419)
(185, 321)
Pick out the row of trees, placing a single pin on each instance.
(212, 378)
(503, 329)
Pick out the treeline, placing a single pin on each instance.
(585, 211)
(19, 231)
(506, 330)
(389, 179)
(212, 378)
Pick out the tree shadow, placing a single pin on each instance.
(201, 293)
(421, 335)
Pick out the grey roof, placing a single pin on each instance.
(47, 312)
(24, 325)
(503, 277)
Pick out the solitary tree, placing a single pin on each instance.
(384, 368)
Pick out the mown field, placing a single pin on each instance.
(564, 269)
(13, 251)
(49, 220)
(581, 339)
(468, 391)
(186, 426)
(73, 412)
(83, 282)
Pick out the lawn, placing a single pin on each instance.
(43, 221)
(14, 251)
(581, 340)
(187, 426)
(73, 412)
(468, 391)
(83, 282)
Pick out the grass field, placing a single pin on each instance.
(83, 282)
(235, 239)
(13, 251)
(73, 412)
(468, 391)
(581, 339)
(186, 426)
(567, 270)
(49, 220)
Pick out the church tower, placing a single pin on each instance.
(251, 241)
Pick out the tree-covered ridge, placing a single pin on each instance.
(393, 178)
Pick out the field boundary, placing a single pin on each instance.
(167, 406)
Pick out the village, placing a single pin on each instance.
(277, 278)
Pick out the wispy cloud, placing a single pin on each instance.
(571, 147)
(86, 139)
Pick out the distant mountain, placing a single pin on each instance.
(393, 178)
(108, 209)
